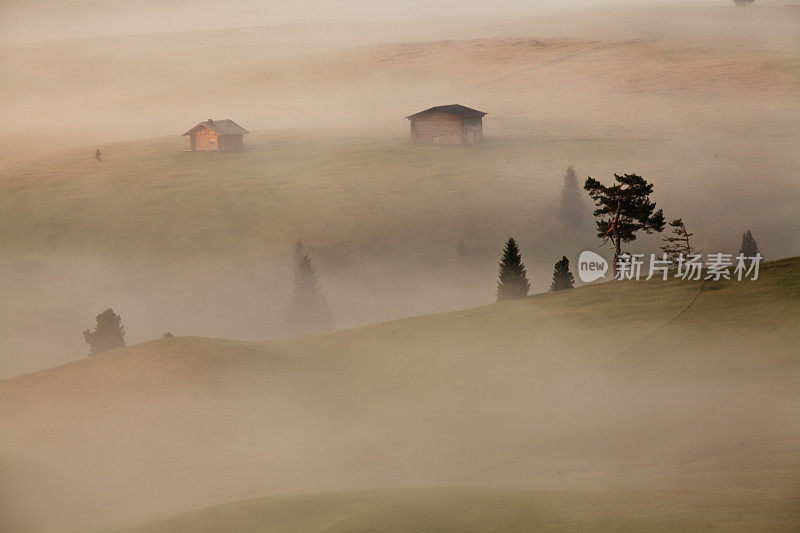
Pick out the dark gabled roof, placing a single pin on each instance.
(221, 127)
(455, 109)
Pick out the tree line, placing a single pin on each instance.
(308, 311)
(622, 210)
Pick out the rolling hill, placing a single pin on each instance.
(615, 406)
(696, 70)
(473, 510)
(700, 100)
(142, 231)
(685, 392)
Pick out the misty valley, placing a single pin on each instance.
(302, 268)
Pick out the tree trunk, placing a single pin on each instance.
(617, 244)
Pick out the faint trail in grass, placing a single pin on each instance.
(630, 347)
(680, 313)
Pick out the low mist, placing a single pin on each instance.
(560, 415)
(661, 389)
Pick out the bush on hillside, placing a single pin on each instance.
(108, 334)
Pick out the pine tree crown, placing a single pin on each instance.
(513, 276)
(749, 247)
(308, 310)
(631, 193)
(678, 242)
(562, 277)
(108, 334)
(571, 203)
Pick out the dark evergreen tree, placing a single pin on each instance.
(624, 209)
(678, 243)
(108, 334)
(562, 277)
(749, 246)
(573, 212)
(513, 282)
(308, 311)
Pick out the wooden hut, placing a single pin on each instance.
(447, 124)
(216, 136)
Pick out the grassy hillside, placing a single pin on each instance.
(155, 198)
(635, 405)
(601, 388)
(443, 509)
(382, 219)
(599, 68)
(702, 101)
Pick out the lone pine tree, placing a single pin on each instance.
(678, 243)
(513, 282)
(623, 209)
(572, 211)
(749, 247)
(308, 311)
(562, 277)
(108, 334)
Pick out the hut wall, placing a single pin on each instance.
(473, 130)
(229, 143)
(204, 140)
(437, 127)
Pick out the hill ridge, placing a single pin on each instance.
(176, 345)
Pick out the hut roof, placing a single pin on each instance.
(221, 127)
(456, 109)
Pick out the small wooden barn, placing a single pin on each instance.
(216, 136)
(447, 124)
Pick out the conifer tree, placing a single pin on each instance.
(677, 243)
(573, 210)
(308, 311)
(749, 247)
(513, 282)
(108, 334)
(624, 209)
(562, 277)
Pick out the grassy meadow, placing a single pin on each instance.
(201, 244)
(447, 509)
(348, 192)
(599, 389)
(621, 406)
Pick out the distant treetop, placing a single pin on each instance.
(108, 334)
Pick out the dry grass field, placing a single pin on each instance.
(681, 70)
(474, 510)
(581, 391)
(426, 408)
(382, 219)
